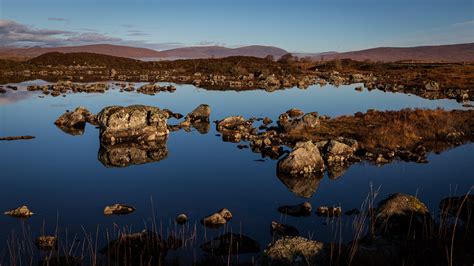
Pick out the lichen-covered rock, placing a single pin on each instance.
(20, 212)
(135, 123)
(401, 215)
(118, 209)
(294, 251)
(303, 209)
(336, 151)
(303, 160)
(230, 243)
(74, 122)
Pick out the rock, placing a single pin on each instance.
(74, 122)
(307, 122)
(136, 248)
(10, 138)
(126, 154)
(231, 123)
(46, 242)
(336, 151)
(359, 88)
(267, 121)
(135, 123)
(329, 211)
(294, 251)
(350, 212)
(303, 160)
(401, 215)
(279, 230)
(230, 243)
(431, 86)
(118, 209)
(293, 113)
(182, 219)
(20, 212)
(201, 113)
(217, 219)
(303, 209)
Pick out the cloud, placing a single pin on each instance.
(58, 19)
(127, 25)
(16, 34)
(210, 43)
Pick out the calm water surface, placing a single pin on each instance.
(61, 179)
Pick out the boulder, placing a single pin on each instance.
(336, 151)
(74, 122)
(294, 112)
(135, 123)
(294, 251)
(303, 160)
(20, 212)
(230, 243)
(217, 219)
(201, 113)
(118, 209)
(401, 215)
(303, 209)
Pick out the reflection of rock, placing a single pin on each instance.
(303, 209)
(135, 123)
(231, 243)
(279, 230)
(202, 127)
(401, 215)
(126, 154)
(303, 160)
(74, 122)
(302, 186)
(136, 248)
(294, 251)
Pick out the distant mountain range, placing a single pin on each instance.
(440, 53)
(148, 54)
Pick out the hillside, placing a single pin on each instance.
(439, 53)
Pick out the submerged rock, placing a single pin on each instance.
(118, 209)
(294, 251)
(182, 219)
(20, 212)
(401, 215)
(136, 248)
(303, 160)
(230, 243)
(46, 242)
(135, 123)
(303, 209)
(329, 211)
(217, 219)
(74, 122)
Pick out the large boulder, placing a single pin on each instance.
(135, 123)
(74, 122)
(294, 251)
(401, 215)
(303, 160)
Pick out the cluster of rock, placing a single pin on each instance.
(63, 87)
(151, 89)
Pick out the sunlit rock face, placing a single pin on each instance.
(126, 154)
(135, 123)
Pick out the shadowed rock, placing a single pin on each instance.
(46, 242)
(303, 209)
(294, 251)
(231, 243)
(126, 154)
(279, 230)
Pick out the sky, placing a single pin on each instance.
(305, 26)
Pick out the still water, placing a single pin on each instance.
(61, 179)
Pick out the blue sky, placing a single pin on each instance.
(297, 26)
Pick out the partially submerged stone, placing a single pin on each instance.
(279, 230)
(46, 242)
(294, 251)
(230, 243)
(200, 113)
(182, 219)
(118, 209)
(303, 160)
(217, 219)
(135, 123)
(20, 212)
(329, 211)
(74, 122)
(303, 209)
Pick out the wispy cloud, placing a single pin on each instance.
(464, 23)
(136, 33)
(210, 43)
(58, 19)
